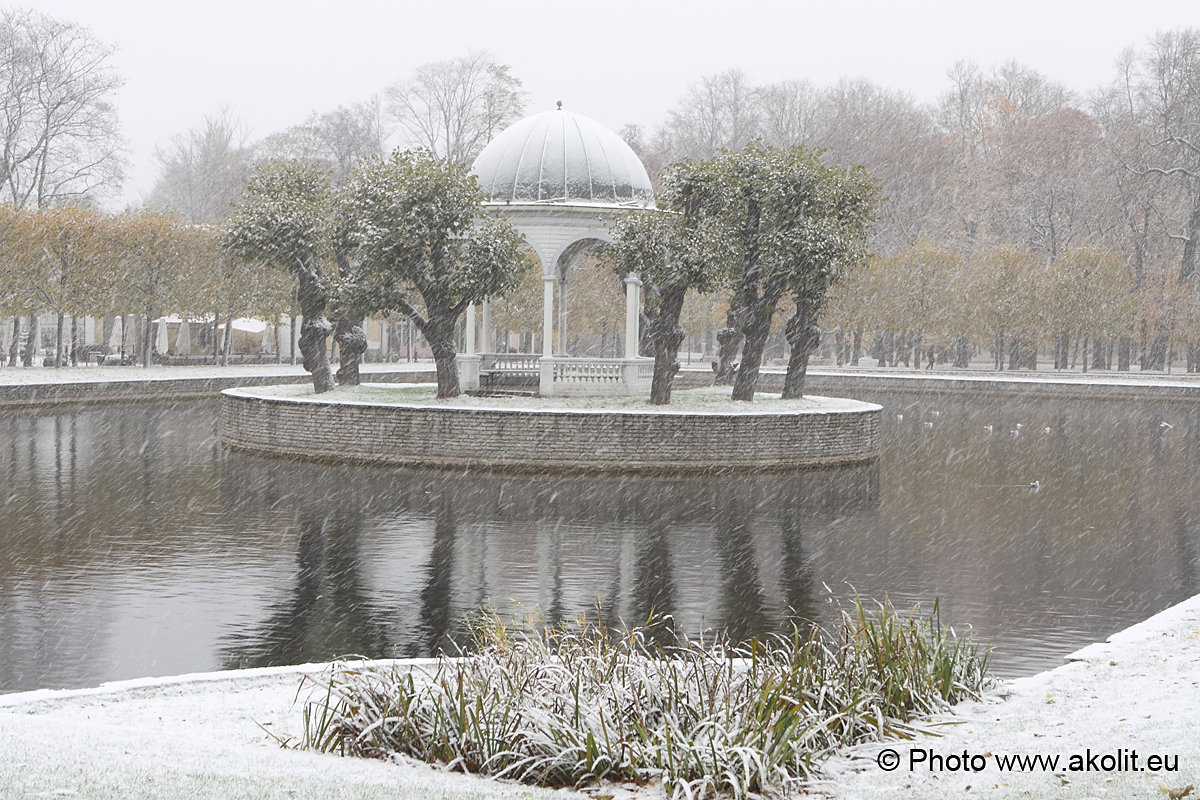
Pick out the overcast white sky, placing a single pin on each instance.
(618, 61)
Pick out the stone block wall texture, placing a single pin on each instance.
(584, 440)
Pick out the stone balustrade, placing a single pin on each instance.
(558, 376)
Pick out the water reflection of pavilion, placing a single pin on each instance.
(393, 563)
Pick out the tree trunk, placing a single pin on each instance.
(227, 340)
(755, 333)
(33, 341)
(1086, 342)
(446, 364)
(1124, 354)
(856, 354)
(278, 341)
(352, 343)
(998, 351)
(14, 348)
(58, 340)
(74, 347)
(314, 330)
(1156, 354)
(962, 355)
(1190, 263)
(729, 341)
(665, 336)
(803, 336)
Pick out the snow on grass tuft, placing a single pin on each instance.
(573, 704)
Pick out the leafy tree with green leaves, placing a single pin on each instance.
(672, 250)
(287, 220)
(425, 248)
(793, 222)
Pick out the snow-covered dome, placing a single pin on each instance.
(558, 157)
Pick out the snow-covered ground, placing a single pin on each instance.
(703, 400)
(206, 736)
(1138, 693)
(197, 738)
(94, 374)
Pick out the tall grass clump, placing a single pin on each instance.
(569, 705)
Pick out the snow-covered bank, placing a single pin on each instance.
(197, 738)
(22, 376)
(200, 736)
(1138, 693)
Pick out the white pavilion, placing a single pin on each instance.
(559, 178)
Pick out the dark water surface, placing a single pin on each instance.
(132, 544)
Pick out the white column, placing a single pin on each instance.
(486, 322)
(548, 316)
(562, 315)
(633, 286)
(469, 344)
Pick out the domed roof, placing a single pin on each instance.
(558, 157)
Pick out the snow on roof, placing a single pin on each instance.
(562, 158)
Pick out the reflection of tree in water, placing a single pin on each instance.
(328, 613)
(437, 595)
(743, 612)
(654, 593)
(799, 584)
(577, 526)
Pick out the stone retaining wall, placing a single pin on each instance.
(538, 440)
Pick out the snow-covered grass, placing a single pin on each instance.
(571, 705)
(704, 400)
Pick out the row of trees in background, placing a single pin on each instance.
(73, 261)
(1006, 162)
(929, 301)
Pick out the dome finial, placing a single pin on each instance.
(560, 105)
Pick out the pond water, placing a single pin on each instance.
(132, 544)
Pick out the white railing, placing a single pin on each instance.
(586, 370)
(576, 377)
(509, 363)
